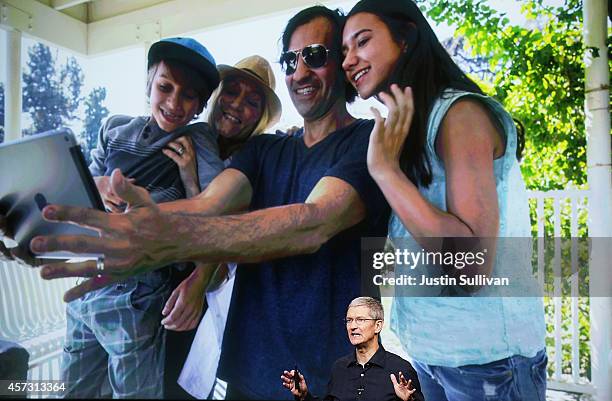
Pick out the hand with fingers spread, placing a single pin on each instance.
(182, 152)
(288, 381)
(389, 135)
(131, 241)
(403, 388)
(185, 306)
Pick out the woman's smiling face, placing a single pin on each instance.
(370, 53)
(238, 107)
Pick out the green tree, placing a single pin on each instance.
(537, 73)
(95, 112)
(477, 66)
(50, 97)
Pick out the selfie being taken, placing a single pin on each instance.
(339, 200)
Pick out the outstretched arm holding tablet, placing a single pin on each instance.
(144, 237)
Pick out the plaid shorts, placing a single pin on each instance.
(114, 340)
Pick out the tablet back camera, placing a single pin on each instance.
(41, 201)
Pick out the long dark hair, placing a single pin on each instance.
(428, 69)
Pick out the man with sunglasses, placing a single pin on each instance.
(311, 200)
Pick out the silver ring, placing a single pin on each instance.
(100, 265)
(180, 151)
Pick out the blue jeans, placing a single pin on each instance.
(516, 378)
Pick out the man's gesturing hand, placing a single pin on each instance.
(402, 388)
(288, 381)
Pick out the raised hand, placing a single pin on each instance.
(288, 382)
(182, 152)
(402, 388)
(389, 135)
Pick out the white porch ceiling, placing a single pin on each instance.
(91, 27)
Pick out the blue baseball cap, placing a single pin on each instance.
(188, 51)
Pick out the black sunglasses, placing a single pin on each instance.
(314, 56)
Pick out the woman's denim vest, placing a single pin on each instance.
(456, 331)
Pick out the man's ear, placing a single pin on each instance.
(379, 326)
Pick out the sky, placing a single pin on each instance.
(122, 72)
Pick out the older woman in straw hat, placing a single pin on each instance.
(243, 105)
(245, 88)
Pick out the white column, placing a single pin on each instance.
(146, 46)
(12, 95)
(597, 124)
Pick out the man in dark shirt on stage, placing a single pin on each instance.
(369, 372)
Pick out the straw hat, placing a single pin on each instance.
(258, 70)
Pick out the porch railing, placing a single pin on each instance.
(32, 314)
(559, 216)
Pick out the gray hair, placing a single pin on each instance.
(374, 305)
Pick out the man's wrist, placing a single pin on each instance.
(171, 239)
(190, 182)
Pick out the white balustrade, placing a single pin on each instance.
(551, 210)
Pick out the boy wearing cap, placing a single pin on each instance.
(113, 334)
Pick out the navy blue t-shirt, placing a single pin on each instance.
(289, 311)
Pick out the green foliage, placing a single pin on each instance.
(51, 98)
(538, 74)
(95, 112)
